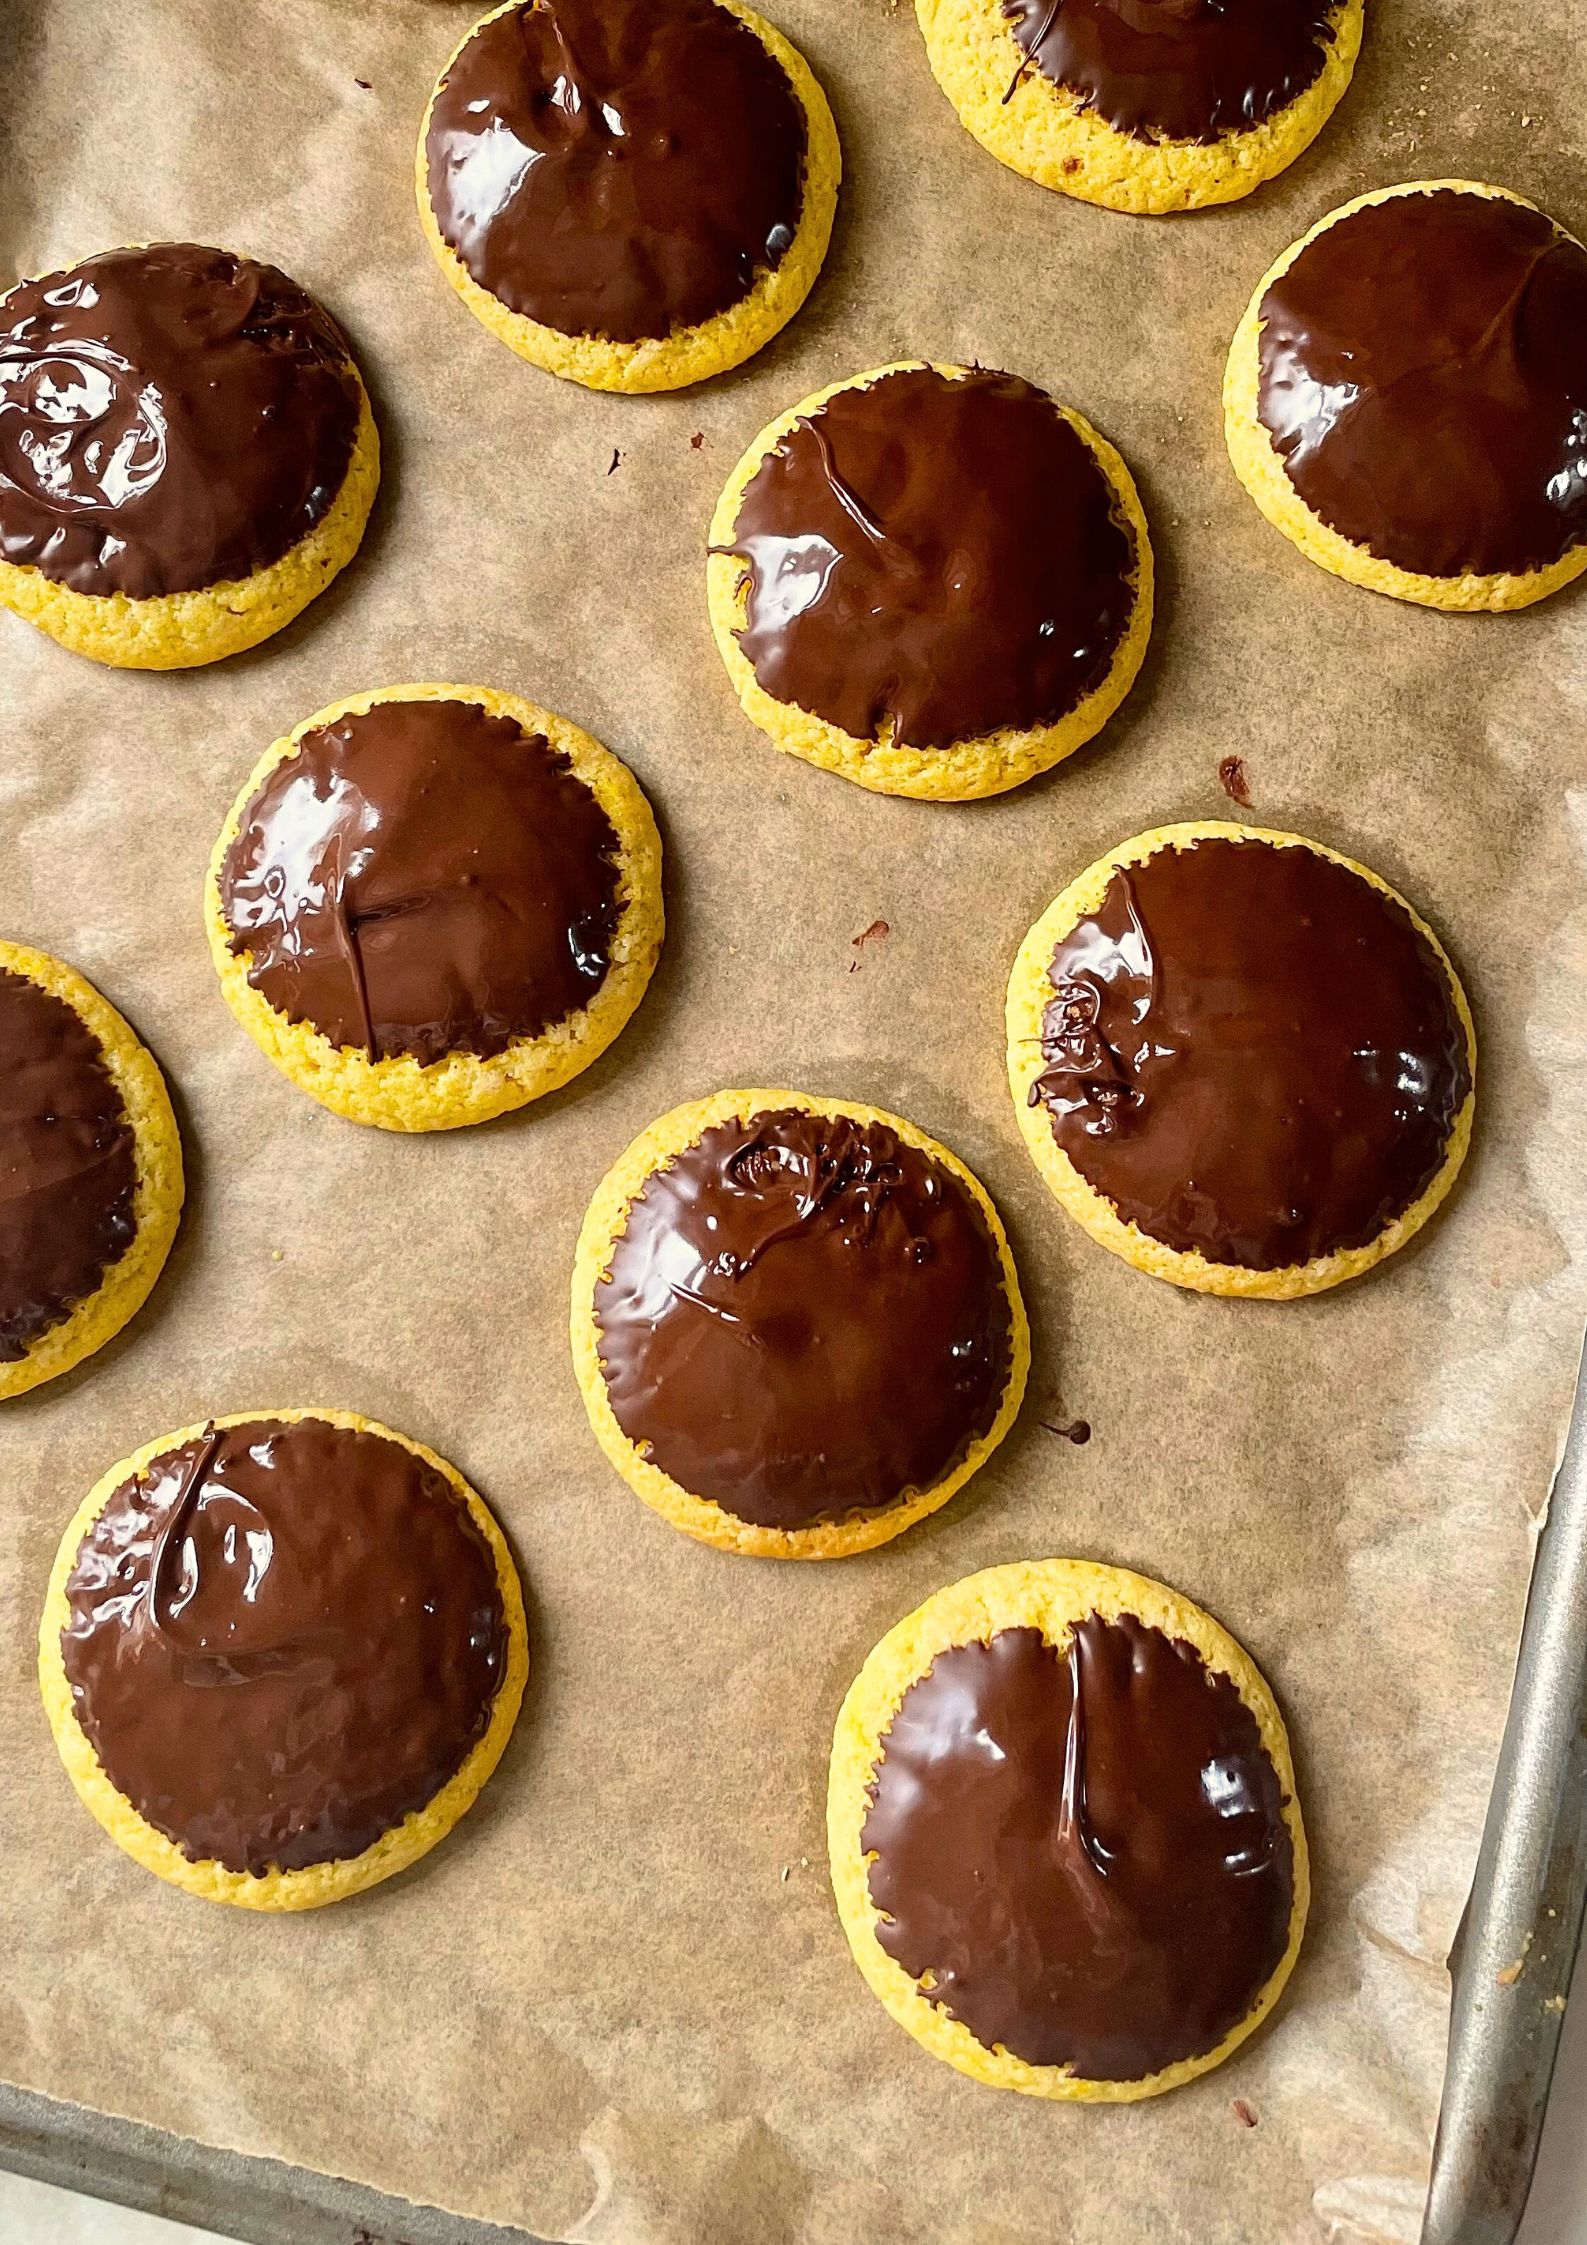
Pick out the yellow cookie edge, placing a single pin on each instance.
(181, 630)
(967, 770)
(1261, 470)
(319, 1883)
(604, 1224)
(1050, 1595)
(1029, 993)
(463, 1088)
(1044, 133)
(688, 354)
(157, 1195)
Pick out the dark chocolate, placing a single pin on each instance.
(1085, 1850)
(805, 1319)
(1252, 1052)
(283, 1639)
(1423, 376)
(170, 418)
(68, 1165)
(423, 879)
(944, 555)
(1176, 69)
(619, 168)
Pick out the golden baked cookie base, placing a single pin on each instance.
(1050, 1595)
(604, 1224)
(319, 1883)
(404, 1093)
(179, 630)
(157, 1196)
(1260, 468)
(1030, 992)
(1044, 132)
(688, 354)
(965, 770)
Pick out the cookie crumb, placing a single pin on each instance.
(873, 934)
(696, 440)
(1243, 2113)
(785, 1874)
(1554, 2003)
(616, 456)
(1077, 1431)
(1232, 779)
(1508, 1974)
(804, 1862)
(278, 1255)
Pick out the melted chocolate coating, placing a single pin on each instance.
(68, 1165)
(423, 879)
(1252, 1053)
(1184, 69)
(1086, 1850)
(942, 554)
(804, 1319)
(620, 168)
(169, 418)
(282, 1640)
(1423, 376)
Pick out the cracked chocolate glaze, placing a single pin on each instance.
(281, 1640)
(68, 1164)
(170, 418)
(944, 555)
(1423, 377)
(1252, 1052)
(1085, 1850)
(421, 879)
(617, 168)
(804, 1319)
(1177, 69)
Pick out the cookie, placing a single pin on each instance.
(796, 1323)
(187, 454)
(1064, 1837)
(281, 1653)
(1240, 1060)
(1144, 105)
(1406, 394)
(90, 1170)
(633, 194)
(931, 579)
(434, 903)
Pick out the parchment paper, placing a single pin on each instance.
(616, 2006)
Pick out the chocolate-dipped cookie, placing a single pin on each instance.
(281, 1653)
(796, 1323)
(187, 454)
(933, 580)
(1064, 1837)
(1406, 397)
(1144, 105)
(1240, 1060)
(633, 194)
(431, 904)
(90, 1170)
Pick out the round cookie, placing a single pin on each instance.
(669, 193)
(359, 1605)
(1240, 1060)
(187, 454)
(431, 904)
(1144, 105)
(90, 1170)
(1405, 396)
(933, 580)
(796, 1323)
(1064, 1837)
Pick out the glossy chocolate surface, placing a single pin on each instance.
(169, 418)
(945, 555)
(421, 879)
(805, 1319)
(620, 168)
(68, 1165)
(1423, 376)
(1086, 1850)
(1184, 69)
(1252, 1053)
(282, 1640)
